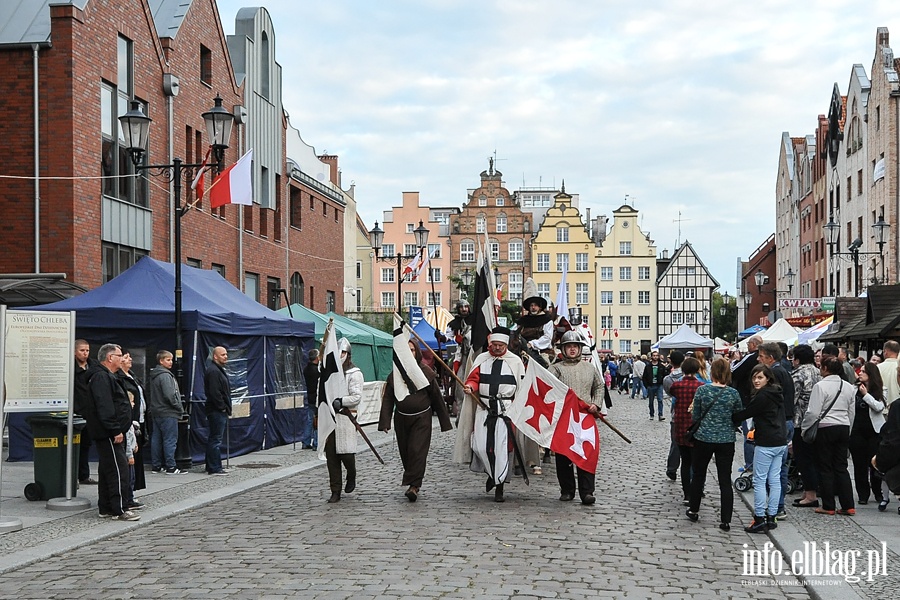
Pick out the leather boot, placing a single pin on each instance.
(498, 494)
(758, 525)
(351, 482)
(335, 497)
(771, 522)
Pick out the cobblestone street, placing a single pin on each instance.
(283, 541)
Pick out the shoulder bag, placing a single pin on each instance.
(689, 435)
(809, 434)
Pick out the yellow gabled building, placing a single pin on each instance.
(626, 287)
(562, 239)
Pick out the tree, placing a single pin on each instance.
(724, 325)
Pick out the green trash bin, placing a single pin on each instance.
(49, 431)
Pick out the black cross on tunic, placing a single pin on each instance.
(495, 379)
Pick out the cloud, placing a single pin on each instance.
(680, 105)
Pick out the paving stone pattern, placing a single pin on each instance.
(282, 540)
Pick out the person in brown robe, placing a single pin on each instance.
(412, 423)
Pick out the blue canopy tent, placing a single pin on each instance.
(267, 352)
(752, 330)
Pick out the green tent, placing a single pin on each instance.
(372, 349)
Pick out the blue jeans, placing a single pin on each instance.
(163, 442)
(655, 390)
(637, 387)
(767, 471)
(308, 434)
(784, 465)
(217, 421)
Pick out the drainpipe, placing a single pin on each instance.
(170, 110)
(241, 225)
(37, 163)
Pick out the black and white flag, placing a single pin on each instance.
(332, 385)
(408, 375)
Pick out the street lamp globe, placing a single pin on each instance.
(218, 128)
(376, 237)
(136, 131)
(760, 279)
(421, 233)
(881, 228)
(790, 279)
(466, 277)
(832, 232)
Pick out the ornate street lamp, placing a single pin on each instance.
(376, 239)
(136, 131)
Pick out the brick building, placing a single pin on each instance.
(492, 213)
(71, 68)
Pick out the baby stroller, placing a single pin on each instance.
(745, 480)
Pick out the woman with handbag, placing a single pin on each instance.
(832, 407)
(865, 433)
(682, 392)
(713, 406)
(766, 407)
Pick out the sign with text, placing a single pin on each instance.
(38, 365)
(813, 303)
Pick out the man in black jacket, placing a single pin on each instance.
(740, 380)
(218, 409)
(107, 411)
(83, 364)
(654, 374)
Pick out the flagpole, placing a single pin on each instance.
(443, 364)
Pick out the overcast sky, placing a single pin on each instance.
(678, 105)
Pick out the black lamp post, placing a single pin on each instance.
(466, 277)
(136, 131)
(376, 238)
(761, 279)
(833, 237)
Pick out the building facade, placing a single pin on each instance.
(626, 287)
(684, 293)
(493, 217)
(563, 243)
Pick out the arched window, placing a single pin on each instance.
(296, 289)
(264, 59)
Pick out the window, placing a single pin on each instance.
(358, 296)
(495, 251)
(220, 269)
(467, 251)
(410, 298)
(543, 261)
(690, 293)
(624, 322)
(644, 297)
(689, 318)
(562, 234)
(606, 321)
(410, 227)
(387, 299)
(625, 273)
(516, 251)
(251, 285)
(606, 344)
(434, 299)
(677, 318)
(562, 262)
(677, 294)
(644, 273)
(194, 262)
(296, 201)
(410, 249)
(625, 248)
(515, 285)
(606, 297)
(388, 250)
(482, 200)
(544, 290)
(624, 346)
(480, 224)
(297, 289)
(387, 275)
(644, 322)
(118, 258)
(114, 160)
(434, 250)
(581, 293)
(606, 273)
(581, 261)
(264, 59)
(624, 297)
(501, 201)
(359, 269)
(501, 223)
(205, 65)
(434, 273)
(273, 298)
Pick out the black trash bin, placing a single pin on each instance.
(49, 431)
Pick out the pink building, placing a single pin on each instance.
(399, 225)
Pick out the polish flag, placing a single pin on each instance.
(548, 411)
(234, 185)
(199, 181)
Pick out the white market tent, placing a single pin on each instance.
(684, 338)
(780, 331)
(722, 345)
